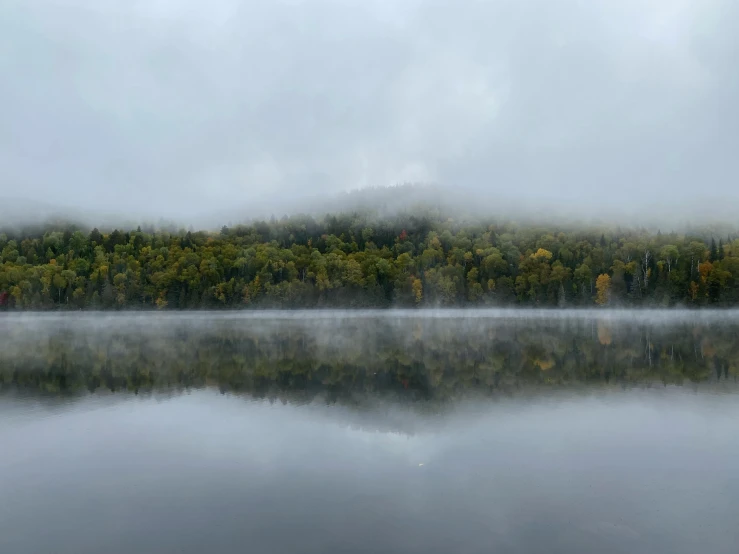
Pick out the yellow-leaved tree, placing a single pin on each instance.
(417, 287)
(603, 289)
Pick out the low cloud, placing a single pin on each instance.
(184, 109)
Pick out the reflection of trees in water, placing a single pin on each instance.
(337, 359)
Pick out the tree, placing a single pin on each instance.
(670, 254)
(584, 277)
(417, 287)
(646, 270)
(603, 288)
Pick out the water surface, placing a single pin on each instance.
(491, 431)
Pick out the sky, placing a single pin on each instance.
(176, 109)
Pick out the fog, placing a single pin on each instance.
(205, 114)
(265, 320)
(360, 357)
(337, 330)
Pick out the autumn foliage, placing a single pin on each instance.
(351, 260)
(603, 288)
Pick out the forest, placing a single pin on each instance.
(355, 260)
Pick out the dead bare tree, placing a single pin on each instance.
(645, 267)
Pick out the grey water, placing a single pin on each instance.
(433, 432)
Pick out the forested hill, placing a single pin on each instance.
(352, 261)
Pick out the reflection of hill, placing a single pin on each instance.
(345, 359)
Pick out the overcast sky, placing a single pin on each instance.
(182, 107)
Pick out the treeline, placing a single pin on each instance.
(351, 260)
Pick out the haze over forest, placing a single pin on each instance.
(205, 114)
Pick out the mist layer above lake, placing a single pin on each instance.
(431, 355)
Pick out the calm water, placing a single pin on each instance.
(341, 432)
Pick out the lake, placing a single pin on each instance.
(501, 431)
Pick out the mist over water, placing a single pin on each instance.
(393, 431)
(358, 355)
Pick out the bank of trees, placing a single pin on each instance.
(350, 260)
